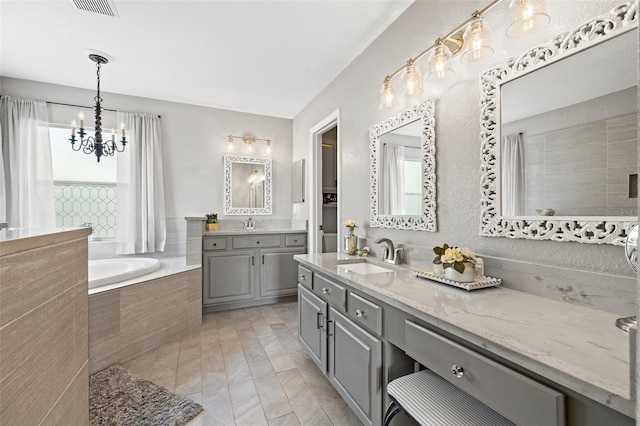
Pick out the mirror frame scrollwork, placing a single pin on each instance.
(228, 185)
(581, 229)
(424, 112)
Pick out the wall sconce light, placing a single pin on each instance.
(472, 39)
(249, 142)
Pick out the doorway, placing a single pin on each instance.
(324, 205)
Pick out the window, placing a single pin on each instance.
(85, 190)
(412, 187)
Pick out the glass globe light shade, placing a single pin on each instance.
(439, 64)
(388, 98)
(412, 83)
(527, 17)
(477, 42)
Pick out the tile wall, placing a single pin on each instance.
(43, 334)
(128, 321)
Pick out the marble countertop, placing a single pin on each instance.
(226, 232)
(577, 347)
(14, 240)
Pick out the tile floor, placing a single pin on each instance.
(246, 367)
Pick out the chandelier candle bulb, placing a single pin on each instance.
(81, 115)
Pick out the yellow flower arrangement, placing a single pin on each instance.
(351, 224)
(453, 257)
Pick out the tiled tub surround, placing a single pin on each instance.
(133, 316)
(576, 347)
(196, 229)
(43, 327)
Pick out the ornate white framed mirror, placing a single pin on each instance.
(402, 159)
(247, 185)
(559, 136)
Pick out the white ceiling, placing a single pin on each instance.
(263, 57)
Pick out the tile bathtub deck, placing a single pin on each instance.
(246, 367)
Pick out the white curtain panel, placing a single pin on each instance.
(141, 226)
(513, 179)
(26, 179)
(393, 179)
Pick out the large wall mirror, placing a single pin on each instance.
(403, 170)
(559, 137)
(247, 185)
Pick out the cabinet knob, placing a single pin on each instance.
(359, 313)
(215, 244)
(257, 242)
(302, 277)
(457, 370)
(325, 290)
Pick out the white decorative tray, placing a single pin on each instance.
(479, 282)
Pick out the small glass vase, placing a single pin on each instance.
(467, 276)
(351, 243)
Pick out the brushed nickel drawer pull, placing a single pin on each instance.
(359, 313)
(325, 290)
(302, 277)
(457, 371)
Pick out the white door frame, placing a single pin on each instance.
(315, 184)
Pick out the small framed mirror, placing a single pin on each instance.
(559, 136)
(247, 186)
(403, 170)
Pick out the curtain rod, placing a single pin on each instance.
(82, 106)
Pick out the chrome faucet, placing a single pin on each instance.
(249, 223)
(390, 254)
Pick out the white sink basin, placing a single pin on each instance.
(365, 268)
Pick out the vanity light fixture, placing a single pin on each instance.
(412, 83)
(249, 142)
(388, 97)
(527, 17)
(95, 144)
(477, 42)
(440, 62)
(472, 39)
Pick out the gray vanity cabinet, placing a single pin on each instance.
(249, 270)
(228, 276)
(312, 316)
(355, 365)
(346, 352)
(278, 271)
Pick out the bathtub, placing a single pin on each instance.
(108, 271)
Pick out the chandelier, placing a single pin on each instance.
(471, 39)
(96, 144)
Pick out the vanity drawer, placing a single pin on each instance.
(305, 277)
(214, 244)
(518, 398)
(257, 241)
(332, 292)
(365, 312)
(295, 240)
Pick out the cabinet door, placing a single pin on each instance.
(329, 175)
(355, 365)
(278, 271)
(228, 276)
(312, 316)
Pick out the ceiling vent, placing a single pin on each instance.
(102, 7)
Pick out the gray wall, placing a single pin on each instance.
(355, 92)
(194, 141)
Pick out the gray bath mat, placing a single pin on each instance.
(116, 397)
